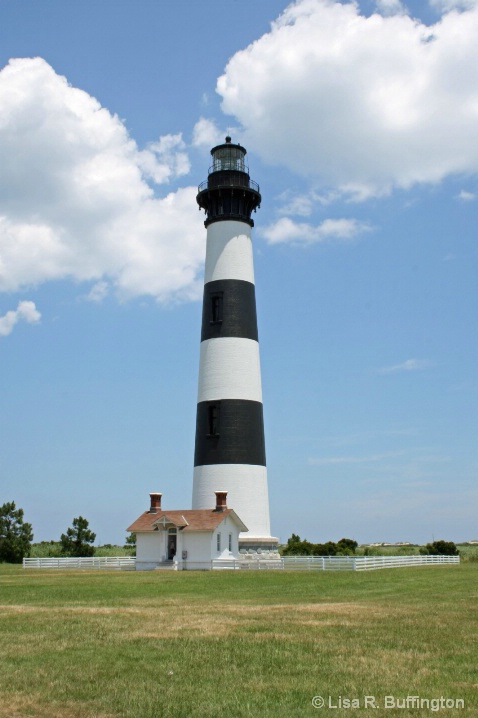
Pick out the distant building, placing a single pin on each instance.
(186, 539)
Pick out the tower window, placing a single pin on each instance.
(230, 542)
(218, 539)
(213, 420)
(216, 308)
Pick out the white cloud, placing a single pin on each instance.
(98, 292)
(447, 5)
(391, 7)
(466, 196)
(26, 311)
(363, 104)
(286, 230)
(207, 134)
(408, 365)
(163, 160)
(74, 200)
(301, 205)
(304, 204)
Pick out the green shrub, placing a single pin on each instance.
(441, 548)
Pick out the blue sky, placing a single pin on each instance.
(360, 125)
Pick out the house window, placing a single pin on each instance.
(230, 542)
(218, 540)
(216, 308)
(213, 420)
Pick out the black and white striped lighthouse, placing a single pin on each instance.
(230, 450)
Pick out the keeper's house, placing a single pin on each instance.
(186, 540)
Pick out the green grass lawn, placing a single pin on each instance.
(78, 644)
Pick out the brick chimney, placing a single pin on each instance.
(155, 503)
(221, 500)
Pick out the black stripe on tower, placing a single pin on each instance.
(229, 310)
(230, 431)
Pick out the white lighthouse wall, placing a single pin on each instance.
(229, 368)
(246, 486)
(229, 252)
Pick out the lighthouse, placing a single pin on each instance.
(230, 448)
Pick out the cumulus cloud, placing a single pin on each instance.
(408, 365)
(363, 104)
(207, 134)
(26, 311)
(285, 230)
(75, 201)
(391, 7)
(304, 204)
(166, 159)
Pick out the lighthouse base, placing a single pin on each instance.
(247, 495)
(258, 544)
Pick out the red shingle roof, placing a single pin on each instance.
(188, 520)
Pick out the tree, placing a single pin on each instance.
(130, 543)
(346, 546)
(15, 535)
(78, 539)
(441, 548)
(297, 547)
(324, 549)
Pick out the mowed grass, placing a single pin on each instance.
(77, 644)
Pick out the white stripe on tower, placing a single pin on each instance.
(230, 449)
(229, 368)
(229, 252)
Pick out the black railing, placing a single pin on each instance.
(229, 180)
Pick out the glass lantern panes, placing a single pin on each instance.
(229, 158)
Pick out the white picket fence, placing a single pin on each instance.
(287, 563)
(335, 563)
(123, 563)
(363, 563)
